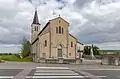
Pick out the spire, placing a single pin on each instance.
(36, 20)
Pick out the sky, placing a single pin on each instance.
(91, 21)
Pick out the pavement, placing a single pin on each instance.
(15, 70)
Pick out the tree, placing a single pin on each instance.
(25, 51)
(87, 50)
(96, 50)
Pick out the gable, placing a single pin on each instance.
(43, 31)
(61, 20)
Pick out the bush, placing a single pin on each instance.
(0, 53)
(10, 53)
(0, 59)
(5, 54)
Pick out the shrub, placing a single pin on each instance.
(5, 54)
(0, 53)
(10, 53)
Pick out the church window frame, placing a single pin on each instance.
(71, 44)
(62, 30)
(45, 43)
(35, 28)
(69, 54)
(59, 21)
(56, 29)
(59, 29)
(44, 55)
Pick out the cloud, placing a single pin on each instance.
(9, 48)
(109, 46)
(90, 21)
(101, 23)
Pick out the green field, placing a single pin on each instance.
(14, 58)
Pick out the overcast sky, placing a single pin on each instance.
(91, 21)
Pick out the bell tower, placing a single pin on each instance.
(35, 26)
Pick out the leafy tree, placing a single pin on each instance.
(25, 51)
(87, 50)
(96, 50)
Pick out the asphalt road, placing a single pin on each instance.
(57, 71)
(9, 73)
(43, 73)
(66, 73)
(105, 73)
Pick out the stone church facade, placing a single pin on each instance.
(53, 44)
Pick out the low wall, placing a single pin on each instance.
(89, 57)
(110, 59)
(63, 61)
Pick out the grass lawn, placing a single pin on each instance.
(15, 58)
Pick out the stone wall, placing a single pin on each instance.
(60, 61)
(110, 59)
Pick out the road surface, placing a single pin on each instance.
(57, 71)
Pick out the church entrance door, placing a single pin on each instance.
(59, 51)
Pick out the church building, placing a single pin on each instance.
(53, 43)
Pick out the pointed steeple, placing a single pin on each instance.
(35, 20)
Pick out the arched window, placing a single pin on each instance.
(56, 29)
(71, 44)
(69, 54)
(44, 55)
(35, 28)
(62, 30)
(59, 29)
(45, 43)
(59, 21)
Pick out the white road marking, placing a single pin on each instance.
(52, 67)
(102, 69)
(57, 72)
(2, 77)
(64, 71)
(60, 77)
(54, 74)
(96, 76)
(54, 77)
(101, 76)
